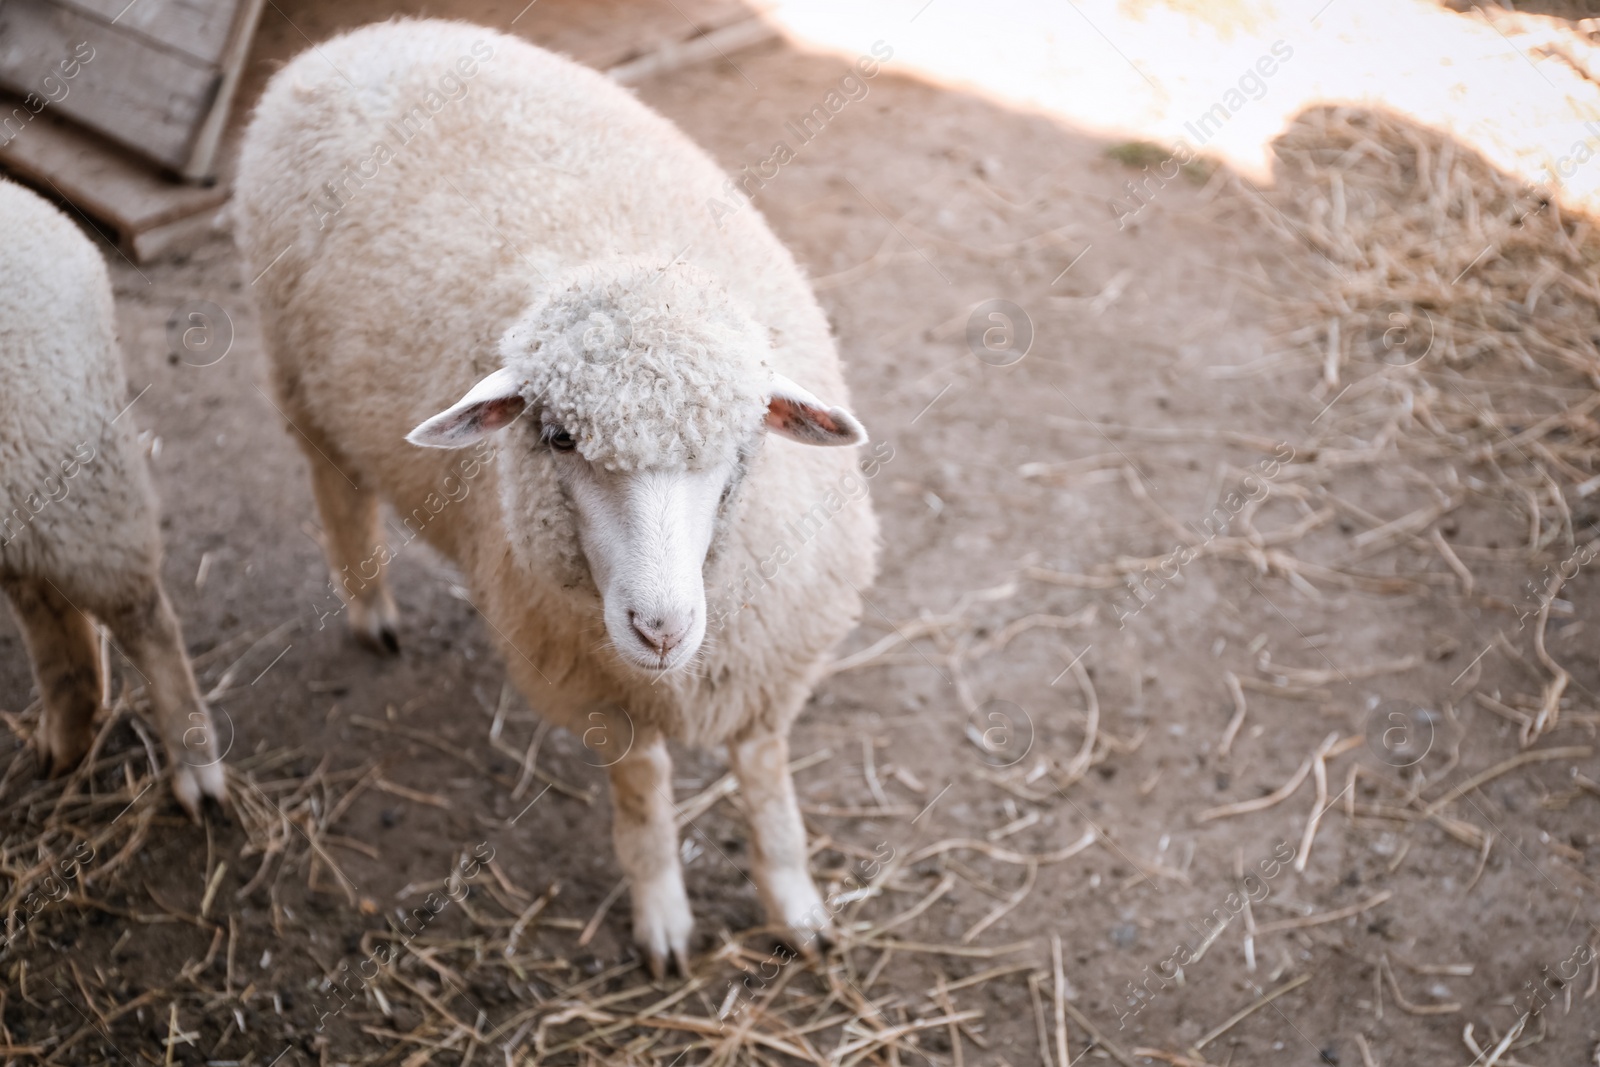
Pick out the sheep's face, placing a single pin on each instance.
(647, 428)
(645, 535)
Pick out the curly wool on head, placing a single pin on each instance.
(646, 366)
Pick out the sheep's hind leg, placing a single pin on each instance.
(778, 835)
(353, 543)
(645, 830)
(147, 632)
(65, 654)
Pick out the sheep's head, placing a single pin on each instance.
(646, 390)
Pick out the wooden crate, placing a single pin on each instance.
(152, 104)
(146, 212)
(156, 76)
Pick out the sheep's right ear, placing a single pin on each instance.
(492, 404)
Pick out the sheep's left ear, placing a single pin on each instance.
(493, 404)
(798, 415)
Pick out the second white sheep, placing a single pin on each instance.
(79, 532)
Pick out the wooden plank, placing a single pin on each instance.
(598, 33)
(147, 97)
(103, 180)
(677, 55)
(197, 27)
(184, 235)
(613, 33)
(208, 138)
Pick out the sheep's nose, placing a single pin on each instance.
(661, 631)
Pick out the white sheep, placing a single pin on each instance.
(439, 211)
(79, 534)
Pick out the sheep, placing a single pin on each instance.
(79, 532)
(463, 241)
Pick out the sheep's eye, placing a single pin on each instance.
(560, 440)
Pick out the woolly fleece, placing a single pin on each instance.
(75, 500)
(421, 203)
(648, 367)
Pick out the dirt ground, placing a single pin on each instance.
(998, 712)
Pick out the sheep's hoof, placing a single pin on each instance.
(196, 786)
(662, 923)
(374, 625)
(60, 749)
(380, 638)
(214, 810)
(661, 966)
(794, 907)
(813, 942)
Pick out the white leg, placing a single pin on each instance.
(779, 839)
(352, 537)
(148, 633)
(645, 830)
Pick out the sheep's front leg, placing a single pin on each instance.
(644, 827)
(66, 664)
(761, 764)
(147, 632)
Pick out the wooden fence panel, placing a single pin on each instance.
(146, 75)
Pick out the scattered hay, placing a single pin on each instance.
(1448, 333)
(1493, 414)
(1459, 337)
(503, 978)
(1453, 344)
